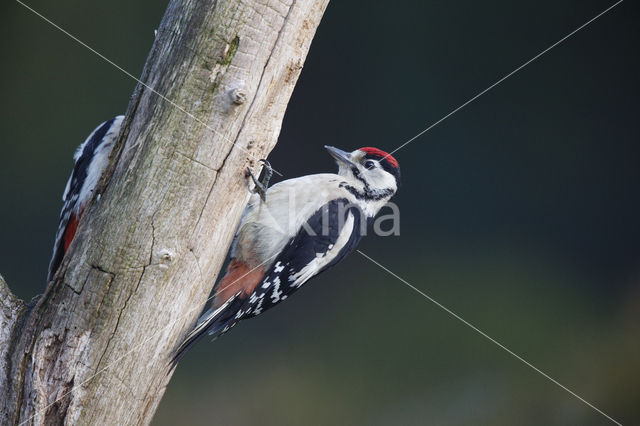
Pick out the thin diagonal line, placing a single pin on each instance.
(505, 77)
(127, 73)
(369, 258)
(136, 347)
(485, 335)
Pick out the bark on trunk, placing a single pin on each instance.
(94, 348)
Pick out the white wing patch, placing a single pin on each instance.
(106, 144)
(322, 259)
(100, 161)
(276, 293)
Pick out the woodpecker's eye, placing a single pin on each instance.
(369, 165)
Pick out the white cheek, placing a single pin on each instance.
(381, 179)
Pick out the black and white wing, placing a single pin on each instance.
(90, 158)
(325, 239)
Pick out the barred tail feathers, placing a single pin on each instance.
(214, 322)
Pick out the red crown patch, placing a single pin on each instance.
(380, 153)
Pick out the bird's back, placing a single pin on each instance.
(266, 227)
(91, 158)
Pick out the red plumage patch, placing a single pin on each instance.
(70, 231)
(239, 278)
(380, 153)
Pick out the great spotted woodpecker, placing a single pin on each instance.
(293, 231)
(289, 232)
(91, 158)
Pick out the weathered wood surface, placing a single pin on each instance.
(94, 348)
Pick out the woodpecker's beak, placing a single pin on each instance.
(341, 156)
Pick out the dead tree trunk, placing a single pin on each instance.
(94, 349)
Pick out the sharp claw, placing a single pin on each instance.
(267, 175)
(261, 187)
(253, 178)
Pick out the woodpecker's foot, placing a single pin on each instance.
(261, 186)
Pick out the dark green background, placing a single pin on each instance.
(520, 212)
